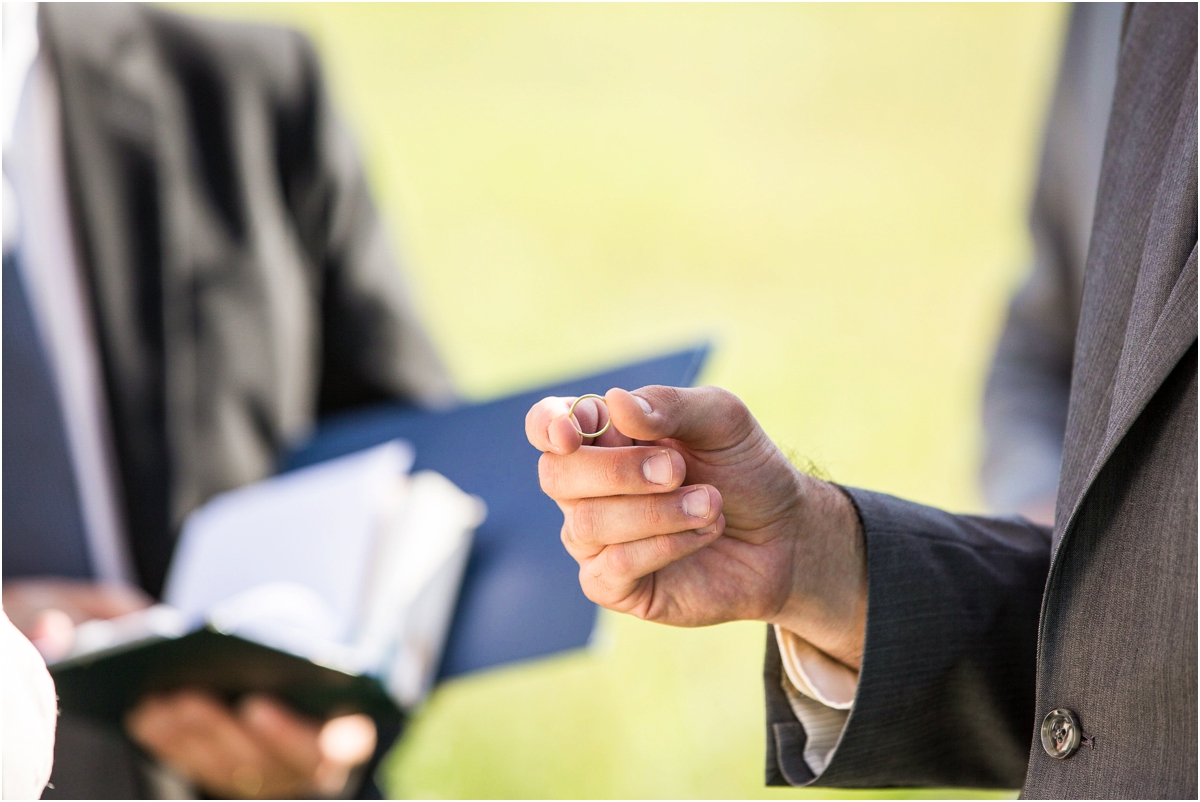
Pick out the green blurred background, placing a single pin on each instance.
(834, 193)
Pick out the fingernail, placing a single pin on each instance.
(657, 469)
(643, 403)
(696, 503)
(707, 530)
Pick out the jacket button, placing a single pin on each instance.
(1060, 733)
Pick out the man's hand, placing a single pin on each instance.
(685, 513)
(259, 749)
(46, 610)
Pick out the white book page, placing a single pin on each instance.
(290, 555)
(156, 622)
(419, 571)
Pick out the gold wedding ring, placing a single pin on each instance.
(571, 415)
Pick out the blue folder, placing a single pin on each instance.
(520, 597)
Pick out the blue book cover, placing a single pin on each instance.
(520, 597)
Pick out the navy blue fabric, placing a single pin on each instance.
(43, 525)
(520, 596)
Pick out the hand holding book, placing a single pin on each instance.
(520, 598)
(254, 749)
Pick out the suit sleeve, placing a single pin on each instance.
(1028, 384)
(374, 346)
(946, 688)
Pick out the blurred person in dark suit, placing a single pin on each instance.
(914, 647)
(194, 273)
(1029, 383)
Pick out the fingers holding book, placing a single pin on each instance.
(258, 748)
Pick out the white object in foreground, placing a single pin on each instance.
(350, 563)
(30, 715)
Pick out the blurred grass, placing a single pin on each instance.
(836, 194)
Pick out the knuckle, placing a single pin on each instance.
(619, 561)
(662, 550)
(589, 591)
(578, 549)
(593, 586)
(655, 514)
(548, 473)
(734, 411)
(585, 521)
(732, 405)
(537, 416)
(670, 396)
(611, 471)
(592, 410)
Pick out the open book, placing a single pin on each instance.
(519, 599)
(332, 586)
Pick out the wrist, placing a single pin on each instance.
(827, 600)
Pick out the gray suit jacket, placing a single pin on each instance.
(978, 627)
(239, 274)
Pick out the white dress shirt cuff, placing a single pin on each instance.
(820, 691)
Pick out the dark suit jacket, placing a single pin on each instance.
(978, 627)
(1029, 383)
(239, 274)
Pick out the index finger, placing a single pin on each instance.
(548, 429)
(549, 425)
(291, 739)
(197, 735)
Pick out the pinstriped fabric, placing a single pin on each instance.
(946, 688)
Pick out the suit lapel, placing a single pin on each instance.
(1162, 318)
(183, 313)
(1173, 333)
(106, 63)
(1140, 293)
(1171, 337)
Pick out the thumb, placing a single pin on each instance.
(707, 418)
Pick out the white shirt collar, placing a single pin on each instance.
(20, 51)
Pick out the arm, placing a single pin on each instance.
(1025, 398)
(685, 513)
(946, 685)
